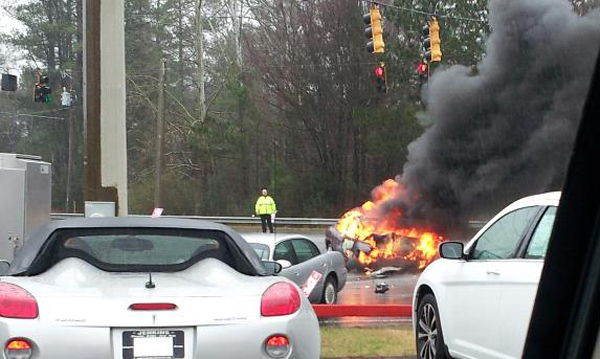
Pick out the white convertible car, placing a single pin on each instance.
(129, 288)
(476, 302)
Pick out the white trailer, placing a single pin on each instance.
(25, 199)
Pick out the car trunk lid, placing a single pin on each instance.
(74, 292)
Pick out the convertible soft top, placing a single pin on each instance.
(37, 242)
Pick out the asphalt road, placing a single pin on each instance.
(360, 289)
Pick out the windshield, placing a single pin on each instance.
(262, 250)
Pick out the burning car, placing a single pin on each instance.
(372, 237)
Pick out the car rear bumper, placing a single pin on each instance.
(223, 341)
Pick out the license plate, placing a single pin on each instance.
(153, 344)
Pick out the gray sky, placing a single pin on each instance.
(7, 25)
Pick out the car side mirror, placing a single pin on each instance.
(284, 263)
(4, 264)
(452, 250)
(272, 267)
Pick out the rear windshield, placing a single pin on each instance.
(143, 249)
(262, 250)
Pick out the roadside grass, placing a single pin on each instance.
(344, 342)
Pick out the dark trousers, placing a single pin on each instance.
(265, 220)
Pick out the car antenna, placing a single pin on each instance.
(150, 284)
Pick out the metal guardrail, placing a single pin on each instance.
(229, 220)
(282, 221)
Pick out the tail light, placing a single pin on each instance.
(18, 349)
(16, 302)
(277, 346)
(153, 306)
(280, 299)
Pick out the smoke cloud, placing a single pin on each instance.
(505, 129)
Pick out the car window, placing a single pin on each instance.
(304, 249)
(131, 249)
(262, 250)
(500, 241)
(541, 237)
(285, 251)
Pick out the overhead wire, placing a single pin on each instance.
(37, 113)
(425, 13)
(30, 115)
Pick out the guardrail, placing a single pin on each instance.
(281, 221)
(362, 310)
(230, 220)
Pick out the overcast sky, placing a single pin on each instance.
(7, 25)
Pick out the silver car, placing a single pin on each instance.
(321, 274)
(128, 288)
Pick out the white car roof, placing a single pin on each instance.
(543, 199)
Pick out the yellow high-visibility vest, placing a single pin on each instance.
(265, 205)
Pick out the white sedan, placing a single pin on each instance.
(128, 288)
(476, 301)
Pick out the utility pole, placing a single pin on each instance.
(91, 98)
(160, 137)
(105, 140)
(69, 160)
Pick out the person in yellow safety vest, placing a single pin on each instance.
(265, 208)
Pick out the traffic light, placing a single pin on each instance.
(434, 34)
(42, 90)
(374, 31)
(431, 42)
(9, 82)
(423, 70)
(381, 77)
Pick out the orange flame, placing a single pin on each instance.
(369, 224)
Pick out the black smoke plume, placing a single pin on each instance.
(506, 128)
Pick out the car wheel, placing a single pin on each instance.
(430, 339)
(329, 291)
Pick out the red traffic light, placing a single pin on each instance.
(422, 68)
(379, 72)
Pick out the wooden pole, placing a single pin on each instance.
(91, 84)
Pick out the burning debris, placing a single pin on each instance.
(385, 272)
(381, 288)
(373, 235)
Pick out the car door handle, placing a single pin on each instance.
(296, 273)
(491, 272)
(324, 264)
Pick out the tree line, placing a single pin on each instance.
(275, 93)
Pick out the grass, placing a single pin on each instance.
(340, 342)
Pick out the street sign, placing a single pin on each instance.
(157, 212)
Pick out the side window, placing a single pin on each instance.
(541, 237)
(305, 250)
(285, 251)
(500, 241)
